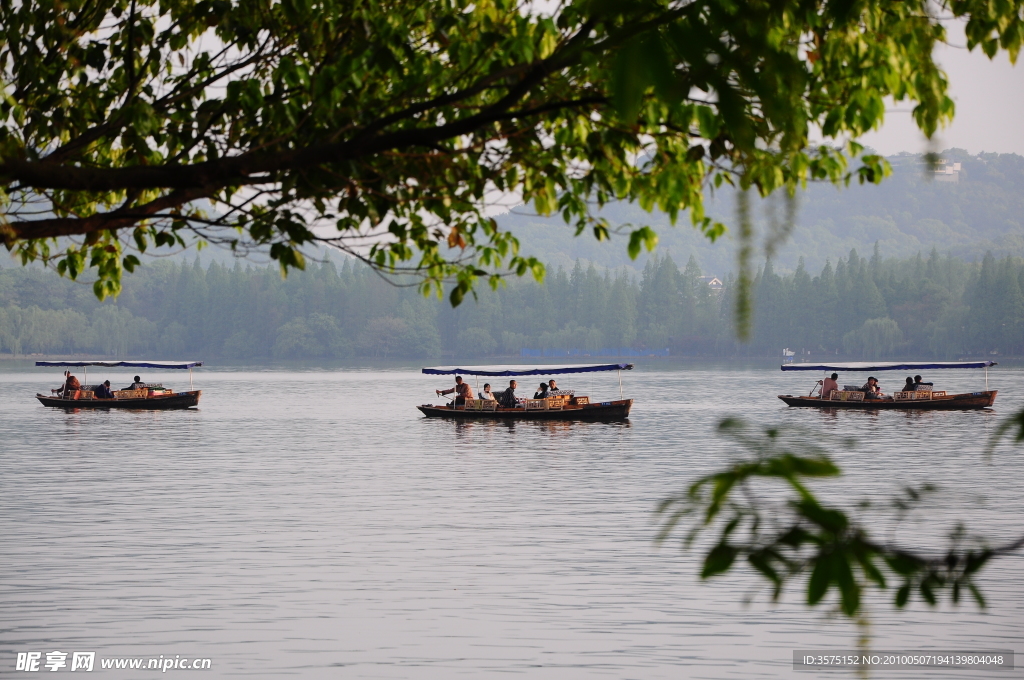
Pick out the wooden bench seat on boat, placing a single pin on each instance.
(131, 394)
(919, 394)
(847, 395)
(481, 405)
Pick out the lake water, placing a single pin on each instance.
(311, 523)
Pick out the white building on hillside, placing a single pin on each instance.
(714, 283)
(947, 172)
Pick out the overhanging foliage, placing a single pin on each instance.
(383, 127)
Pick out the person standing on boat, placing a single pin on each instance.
(487, 395)
(507, 399)
(103, 391)
(462, 391)
(829, 385)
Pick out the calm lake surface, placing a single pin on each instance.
(311, 523)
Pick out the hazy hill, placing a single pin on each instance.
(908, 213)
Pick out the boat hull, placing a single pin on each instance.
(601, 412)
(180, 400)
(953, 402)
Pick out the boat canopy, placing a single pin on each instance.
(526, 370)
(124, 364)
(888, 366)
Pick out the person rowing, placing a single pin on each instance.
(462, 391)
(70, 387)
(829, 385)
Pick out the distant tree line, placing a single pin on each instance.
(939, 306)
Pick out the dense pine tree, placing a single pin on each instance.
(919, 307)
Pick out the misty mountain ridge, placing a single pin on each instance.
(910, 212)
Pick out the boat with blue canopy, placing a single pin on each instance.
(149, 397)
(556, 405)
(921, 398)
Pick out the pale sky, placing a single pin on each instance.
(989, 98)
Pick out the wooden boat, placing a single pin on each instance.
(603, 411)
(559, 407)
(152, 398)
(924, 400)
(149, 403)
(939, 402)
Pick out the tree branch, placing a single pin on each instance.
(116, 219)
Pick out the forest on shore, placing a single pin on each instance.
(931, 306)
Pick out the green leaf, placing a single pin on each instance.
(977, 595)
(903, 595)
(871, 571)
(718, 560)
(645, 237)
(709, 124)
(833, 521)
(903, 564)
(630, 79)
(849, 589)
(455, 297)
(820, 579)
(927, 593)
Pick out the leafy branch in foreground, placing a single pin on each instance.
(386, 128)
(763, 514)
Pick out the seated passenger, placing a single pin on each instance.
(487, 395)
(909, 387)
(137, 385)
(872, 390)
(829, 385)
(542, 392)
(554, 391)
(507, 399)
(103, 391)
(918, 385)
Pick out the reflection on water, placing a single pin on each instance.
(466, 430)
(314, 524)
